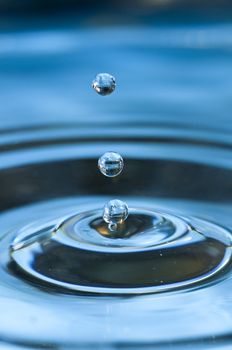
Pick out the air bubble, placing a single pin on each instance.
(110, 164)
(104, 84)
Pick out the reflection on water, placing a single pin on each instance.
(48, 174)
(170, 119)
(166, 73)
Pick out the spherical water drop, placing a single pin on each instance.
(110, 164)
(104, 84)
(115, 212)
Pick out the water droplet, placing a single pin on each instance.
(104, 84)
(115, 212)
(110, 164)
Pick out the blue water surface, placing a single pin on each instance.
(169, 73)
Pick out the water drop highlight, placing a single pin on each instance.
(104, 84)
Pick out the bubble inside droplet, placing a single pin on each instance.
(115, 212)
(104, 84)
(110, 164)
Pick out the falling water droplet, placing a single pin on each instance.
(104, 84)
(115, 212)
(110, 164)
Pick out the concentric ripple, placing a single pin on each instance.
(67, 282)
(151, 252)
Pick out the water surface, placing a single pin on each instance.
(170, 119)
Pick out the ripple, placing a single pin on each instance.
(61, 266)
(156, 252)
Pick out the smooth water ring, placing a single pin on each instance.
(167, 252)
